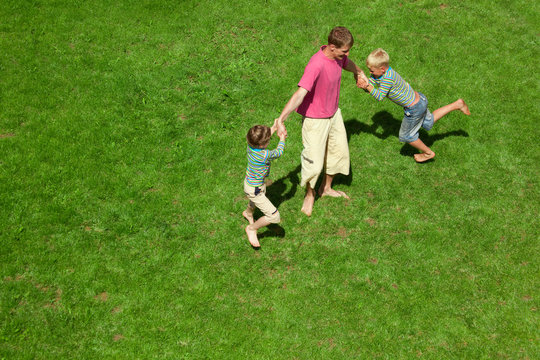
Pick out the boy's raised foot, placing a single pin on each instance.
(252, 237)
(464, 107)
(423, 157)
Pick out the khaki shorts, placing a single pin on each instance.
(257, 198)
(325, 145)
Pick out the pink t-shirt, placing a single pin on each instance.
(322, 80)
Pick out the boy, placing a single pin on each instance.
(391, 85)
(258, 168)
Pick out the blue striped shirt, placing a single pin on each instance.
(258, 167)
(392, 86)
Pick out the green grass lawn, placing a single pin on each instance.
(122, 156)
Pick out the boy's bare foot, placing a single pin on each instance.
(248, 216)
(333, 193)
(307, 206)
(252, 237)
(423, 157)
(463, 107)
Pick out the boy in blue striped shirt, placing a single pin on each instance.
(258, 168)
(391, 85)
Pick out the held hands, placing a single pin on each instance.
(282, 132)
(361, 80)
(273, 128)
(280, 128)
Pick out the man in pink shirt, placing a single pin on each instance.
(323, 132)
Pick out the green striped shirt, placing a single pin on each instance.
(259, 163)
(392, 86)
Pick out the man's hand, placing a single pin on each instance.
(281, 130)
(362, 80)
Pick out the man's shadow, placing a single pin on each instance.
(385, 125)
(277, 190)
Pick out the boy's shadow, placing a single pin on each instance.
(383, 119)
(385, 125)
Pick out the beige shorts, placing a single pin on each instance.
(325, 145)
(257, 198)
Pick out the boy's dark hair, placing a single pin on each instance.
(340, 36)
(259, 136)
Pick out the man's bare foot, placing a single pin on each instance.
(307, 206)
(463, 107)
(252, 237)
(333, 193)
(248, 216)
(423, 157)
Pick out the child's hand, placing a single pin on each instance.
(364, 86)
(362, 81)
(274, 127)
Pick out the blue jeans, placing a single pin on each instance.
(414, 118)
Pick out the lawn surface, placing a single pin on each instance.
(122, 156)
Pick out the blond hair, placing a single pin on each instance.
(378, 58)
(259, 136)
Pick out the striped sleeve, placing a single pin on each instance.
(259, 163)
(392, 85)
(384, 86)
(277, 152)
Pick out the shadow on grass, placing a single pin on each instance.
(384, 125)
(389, 126)
(272, 230)
(276, 192)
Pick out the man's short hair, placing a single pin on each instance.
(259, 136)
(340, 36)
(378, 58)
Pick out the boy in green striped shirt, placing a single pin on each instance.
(258, 168)
(386, 82)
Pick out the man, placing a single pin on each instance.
(323, 132)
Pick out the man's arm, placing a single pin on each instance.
(359, 76)
(293, 103)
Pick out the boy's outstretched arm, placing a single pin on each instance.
(281, 136)
(377, 93)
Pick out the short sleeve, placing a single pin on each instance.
(345, 62)
(311, 73)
